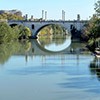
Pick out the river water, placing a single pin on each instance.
(48, 69)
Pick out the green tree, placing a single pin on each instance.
(5, 32)
(8, 34)
(92, 28)
(21, 32)
(10, 16)
(97, 8)
(92, 32)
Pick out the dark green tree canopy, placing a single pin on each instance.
(97, 8)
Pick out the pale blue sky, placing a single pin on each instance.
(53, 7)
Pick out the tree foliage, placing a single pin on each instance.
(53, 30)
(97, 8)
(92, 32)
(22, 32)
(8, 34)
(5, 32)
(92, 29)
(10, 16)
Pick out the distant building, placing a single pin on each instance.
(16, 12)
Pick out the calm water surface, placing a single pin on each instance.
(40, 71)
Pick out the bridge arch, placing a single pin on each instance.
(48, 24)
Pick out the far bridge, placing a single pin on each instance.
(36, 26)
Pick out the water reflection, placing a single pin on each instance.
(55, 44)
(83, 80)
(48, 75)
(95, 67)
(13, 48)
(54, 38)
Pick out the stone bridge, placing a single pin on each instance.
(36, 26)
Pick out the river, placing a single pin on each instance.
(58, 69)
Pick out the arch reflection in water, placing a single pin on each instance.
(54, 38)
(55, 44)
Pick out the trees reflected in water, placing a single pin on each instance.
(95, 67)
(44, 41)
(9, 49)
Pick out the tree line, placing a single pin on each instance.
(8, 33)
(91, 32)
(54, 29)
(10, 16)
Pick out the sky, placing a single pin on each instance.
(53, 7)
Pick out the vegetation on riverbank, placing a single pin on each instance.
(8, 34)
(8, 16)
(92, 30)
(55, 30)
